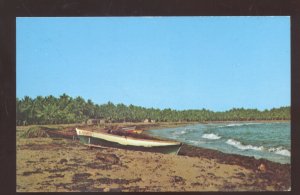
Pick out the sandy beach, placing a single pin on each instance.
(63, 165)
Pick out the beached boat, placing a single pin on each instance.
(132, 130)
(129, 128)
(99, 139)
(137, 131)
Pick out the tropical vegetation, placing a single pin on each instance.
(65, 109)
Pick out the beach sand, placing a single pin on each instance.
(62, 165)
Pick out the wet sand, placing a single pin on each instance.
(62, 165)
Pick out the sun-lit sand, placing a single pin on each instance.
(61, 165)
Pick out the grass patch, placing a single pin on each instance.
(34, 132)
(38, 131)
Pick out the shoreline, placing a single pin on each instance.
(272, 170)
(62, 165)
(70, 129)
(212, 153)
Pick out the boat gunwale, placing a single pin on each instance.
(133, 138)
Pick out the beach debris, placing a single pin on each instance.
(106, 180)
(30, 161)
(62, 133)
(139, 189)
(196, 184)
(99, 166)
(80, 176)
(27, 173)
(43, 159)
(106, 189)
(62, 161)
(34, 132)
(56, 176)
(58, 170)
(115, 189)
(211, 175)
(177, 179)
(241, 174)
(107, 158)
(262, 168)
(228, 187)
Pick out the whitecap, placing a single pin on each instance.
(283, 152)
(241, 124)
(280, 151)
(234, 125)
(182, 132)
(210, 136)
(179, 132)
(240, 146)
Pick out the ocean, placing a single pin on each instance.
(270, 141)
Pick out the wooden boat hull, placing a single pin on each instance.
(135, 131)
(107, 140)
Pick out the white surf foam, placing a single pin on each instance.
(234, 125)
(211, 136)
(283, 152)
(280, 151)
(231, 125)
(240, 146)
(182, 132)
(195, 142)
(241, 124)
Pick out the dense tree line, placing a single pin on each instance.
(65, 109)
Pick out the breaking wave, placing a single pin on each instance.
(179, 132)
(182, 132)
(239, 145)
(239, 124)
(234, 125)
(210, 136)
(280, 151)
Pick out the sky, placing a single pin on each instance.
(216, 63)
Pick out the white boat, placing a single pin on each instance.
(109, 140)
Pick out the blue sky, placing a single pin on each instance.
(215, 63)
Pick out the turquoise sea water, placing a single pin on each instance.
(271, 141)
